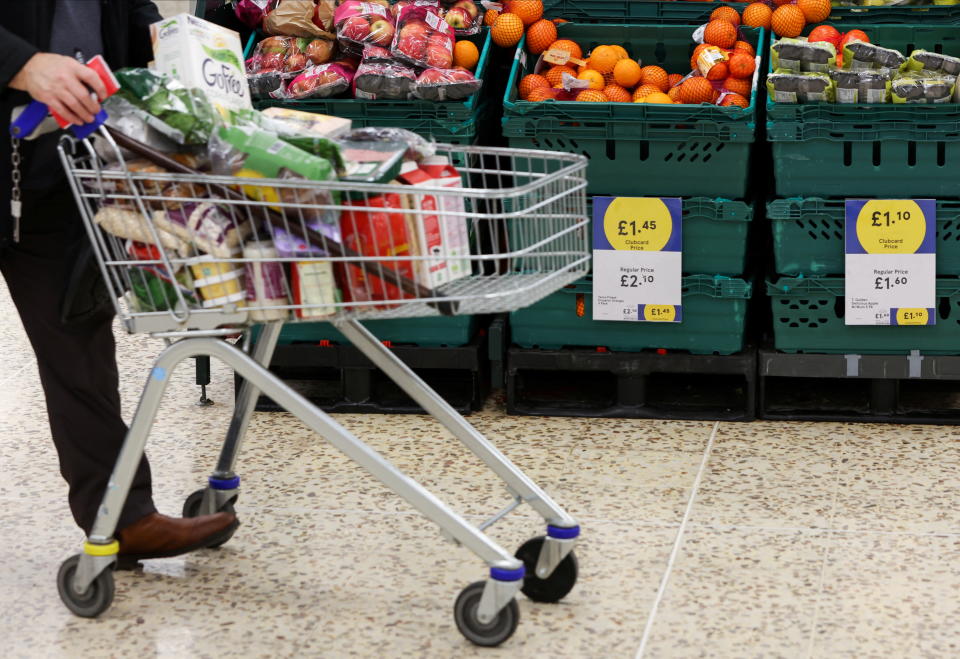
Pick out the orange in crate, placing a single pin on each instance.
(540, 94)
(718, 71)
(571, 47)
(540, 35)
(643, 91)
(674, 94)
(745, 47)
(738, 85)
(724, 13)
(595, 78)
(697, 90)
(507, 31)
(814, 10)
(621, 51)
(720, 33)
(787, 21)
(529, 11)
(657, 97)
(735, 99)
(531, 82)
(603, 59)
(654, 75)
(674, 79)
(555, 74)
(757, 14)
(741, 65)
(617, 94)
(627, 73)
(696, 53)
(465, 54)
(592, 96)
(490, 17)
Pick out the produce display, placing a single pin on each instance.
(369, 50)
(833, 68)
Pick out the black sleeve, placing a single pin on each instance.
(143, 14)
(14, 53)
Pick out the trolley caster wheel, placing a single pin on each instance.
(191, 508)
(98, 596)
(555, 587)
(488, 634)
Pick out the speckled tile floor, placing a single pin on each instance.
(700, 539)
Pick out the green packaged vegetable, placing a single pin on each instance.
(863, 56)
(792, 87)
(182, 115)
(926, 62)
(862, 86)
(801, 55)
(923, 88)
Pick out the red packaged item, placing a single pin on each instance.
(446, 84)
(375, 233)
(323, 81)
(360, 23)
(385, 81)
(423, 38)
(464, 17)
(252, 12)
(279, 59)
(377, 54)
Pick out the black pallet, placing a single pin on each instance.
(589, 382)
(338, 378)
(863, 388)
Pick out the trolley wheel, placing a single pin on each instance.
(98, 596)
(555, 587)
(488, 634)
(191, 508)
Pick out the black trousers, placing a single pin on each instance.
(77, 361)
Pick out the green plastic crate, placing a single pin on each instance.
(872, 150)
(433, 332)
(808, 317)
(640, 149)
(673, 11)
(808, 236)
(714, 320)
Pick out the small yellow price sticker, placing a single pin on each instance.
(665, 313)
(891, 226)
(913, 316)
(638, 224)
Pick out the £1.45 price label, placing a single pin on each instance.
(637, 253)
(891, 261)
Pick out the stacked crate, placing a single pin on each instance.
(561, 361)
(823, 153)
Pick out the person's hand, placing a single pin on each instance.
(63, 84)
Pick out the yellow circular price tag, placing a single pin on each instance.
(912, 316)
(639, 224)
(891, 226)
(666, 313)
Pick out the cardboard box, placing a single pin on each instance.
(203, 55)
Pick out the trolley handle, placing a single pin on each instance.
(446, 308)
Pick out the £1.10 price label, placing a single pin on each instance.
(637, 256)
(891, 261)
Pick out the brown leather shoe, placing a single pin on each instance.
(159, 536)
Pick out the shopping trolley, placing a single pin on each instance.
(333, 251)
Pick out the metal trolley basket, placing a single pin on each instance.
(523, 215)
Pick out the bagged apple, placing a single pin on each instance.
(279, 59)
(446, 84)
(301, 18)
(423, 38)
(377, 54)
(323, 81)
(385, 81)
(361, 23)
(464, 17)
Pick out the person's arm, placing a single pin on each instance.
(61, 82)
(143, 14)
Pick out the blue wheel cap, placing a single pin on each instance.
(224, 483)
(501, 574)
(563, 533)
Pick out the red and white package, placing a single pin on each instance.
(385, 81)
(447, 84)
(377, 54)
(323, 81)
(360, 23)
(463, 16)
(423, 38)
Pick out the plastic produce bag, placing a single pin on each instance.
(423, 38)
(131, 225)
(250, 153)
(447, 84)
(418, 147)
(862, 56)
(862, 86)
(180, 114)
(802, 55)
(790, 87)
(277, 60)
(386, 81)
(925, 61)
(323, 81)
(923, 88)
(301, 18)
(204, 225)
(361, 23)
(463, 16)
